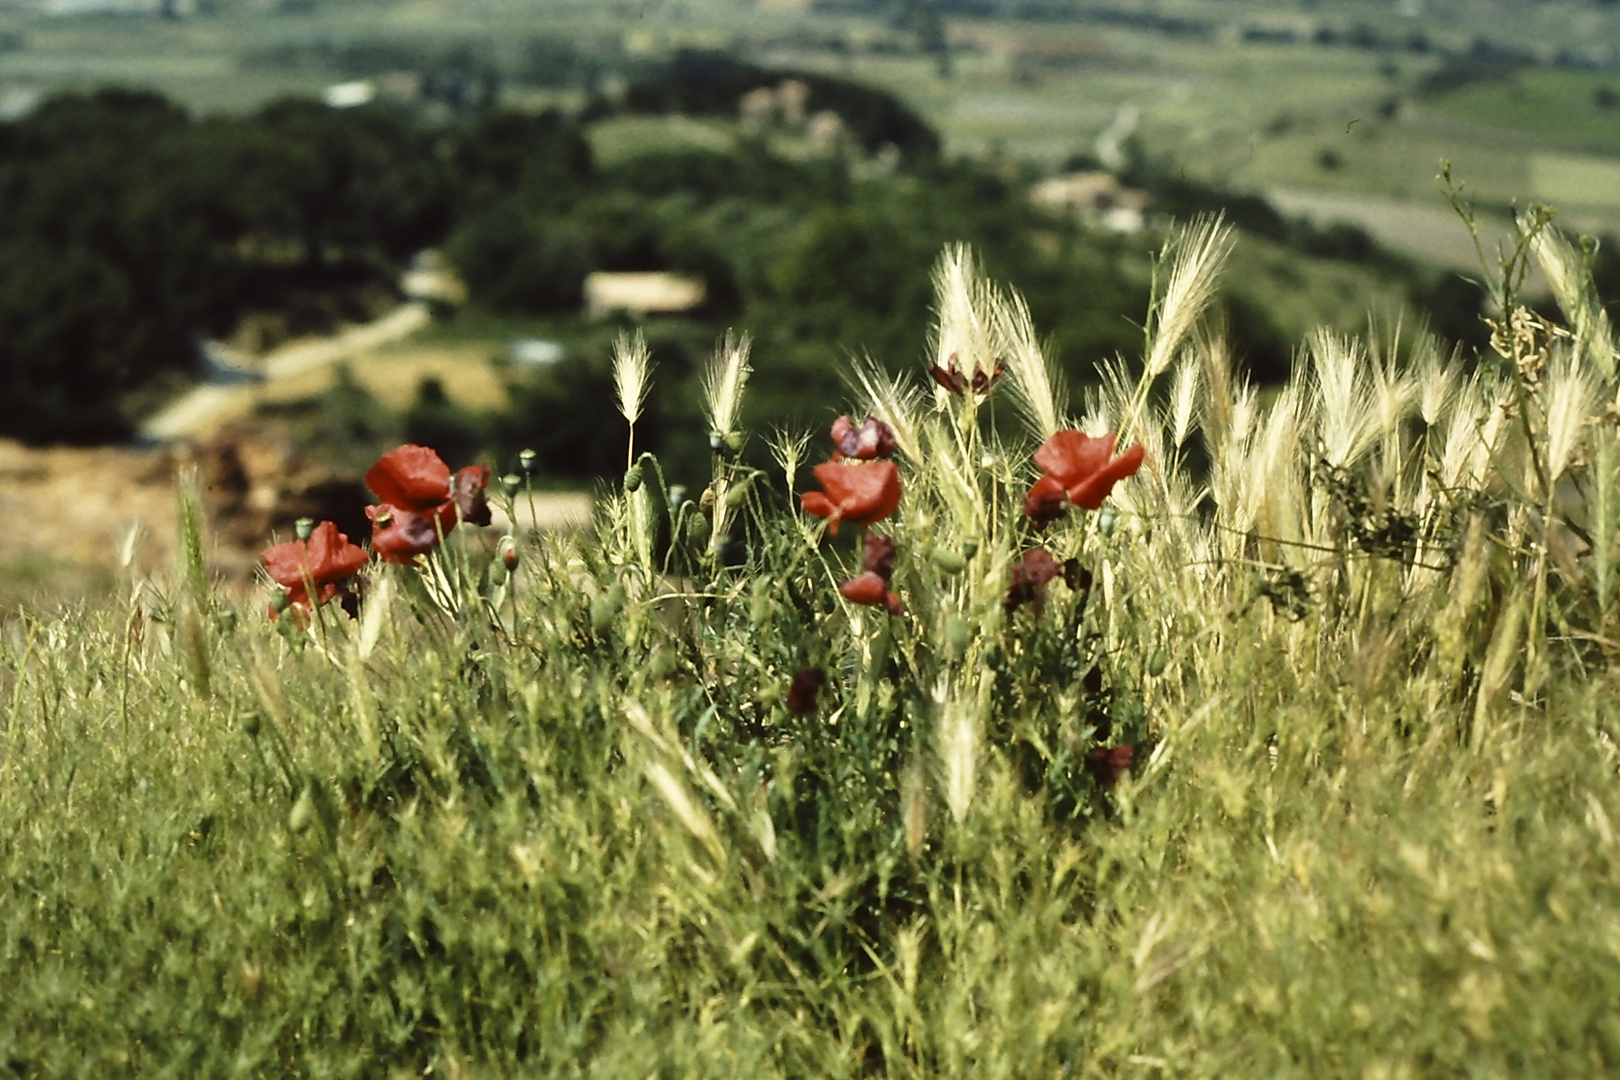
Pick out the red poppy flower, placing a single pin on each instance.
(1084, 466)
(322, 562)
(400, 535)
(873, 439)
(872, 589)
(421, 501)
(861, 493)
(410, 478)
(801, 696)
(1109, 763)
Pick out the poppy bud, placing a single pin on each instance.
(948, 561)
(697, 530)
(734, 442)
(279, 600)
(497, 574)
(303, 527)
(509, 553)
(632, 479)
(737, 492)
(1156, 663)
(759, 609)
(717, 439)
(250, 724)
(1105, 522)
(303, 811)
(606, 608)
(526, 461)
(706, 502)
(511, 483)
(958, 636)
(677, 496)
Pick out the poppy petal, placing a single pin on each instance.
(863, 492)
(471, 489)
(818, 505)
(1046, 502)
(1073, 456)
(400, 535)
(1089, 493)
(410, 477)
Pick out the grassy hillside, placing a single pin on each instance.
(1304, 766)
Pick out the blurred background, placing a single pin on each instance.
(274, 238)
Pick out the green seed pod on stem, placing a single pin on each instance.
(303, 811)
(958, 636)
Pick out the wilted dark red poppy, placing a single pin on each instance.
(421, 502)
(1046, 502)
(1030, 576)
(322, 563)
(1085, 467)
(872, 589)
(858, 492)
(801, 696)
(872, 439)
(877, 555)
(871, 585)
(1109, 763)
(400, 535)
(955, 382)
(471, 486)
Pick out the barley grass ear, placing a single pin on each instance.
(789, 450)
(1196, 255)
(193, 599)
(1184, 396)
(960, 725)
(1570, 281)
(723, 384)
(1571, 400)
(1345, 405)
(963, 299)
(632, 370)
(191, 569)
(893, 400)
(1037, 388)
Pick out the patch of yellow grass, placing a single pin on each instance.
(392, 375)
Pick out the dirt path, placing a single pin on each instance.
(201, 411)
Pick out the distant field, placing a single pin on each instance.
(1254, 115)
(1576, 180)
(1563, 107)
(1427, 228)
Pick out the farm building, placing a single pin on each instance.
(641, 294)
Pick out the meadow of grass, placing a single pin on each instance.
(575, 819)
